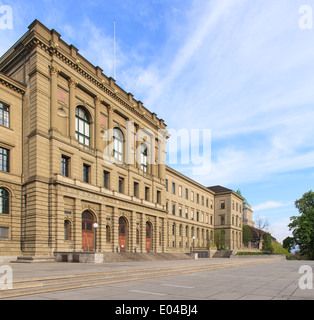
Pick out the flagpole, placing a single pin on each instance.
(114, 49)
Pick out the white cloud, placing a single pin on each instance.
(268, 205)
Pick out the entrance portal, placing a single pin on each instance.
(87, 231)
(122, 234)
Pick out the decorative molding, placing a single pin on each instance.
(78, 67)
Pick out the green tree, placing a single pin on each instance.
(288, 243)
(246, 235)
(279, 249)
(302, 226)
(267, 242)
(220, 239)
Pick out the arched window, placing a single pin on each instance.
(4, 201)
(143, 157)
(118, 145)
(82, 125)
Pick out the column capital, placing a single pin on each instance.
(72, 82)
(97, 100)
(54, 70)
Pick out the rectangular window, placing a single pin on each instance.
(192, 196)
(136, 189)
(158, 197)
(173, 188)
(65, 164)
(186, 193)
(173, 209)
(121, 185)
(4, 233)
(106, 179)
(211, 204)
(180, 211)
(198, 198)
(192, 214)
(211, 220)
(86, 173)
(223, 220)
(186, 213)
(4, 115)
(197, 216)
(147, 193)
(222, 204)
(166, 184)
(180, 191)
(4, 159)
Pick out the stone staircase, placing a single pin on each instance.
(130, 256)
(222, 254)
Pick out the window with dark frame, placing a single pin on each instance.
(144, 157)
(4, 233)
(82, 125)
(121, 185)
(65, 163)
(86, 173)
(158, 197)
(4, 159)
(106, 176)
(147, 193)
(4, 201)
(136, 189)
(4, 115)
(118, 145)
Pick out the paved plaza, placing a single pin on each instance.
(202, 279)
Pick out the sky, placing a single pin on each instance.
(239, 73)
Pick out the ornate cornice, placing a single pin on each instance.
(54, 50)
(12, 84)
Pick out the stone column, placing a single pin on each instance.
(72, 89)
(77, 225)
(156, 235)
(132, 232)
(97, 123)
(53, 96)
(115, 228)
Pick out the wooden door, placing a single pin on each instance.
(122, 234)
(148, 236)
(87, 232)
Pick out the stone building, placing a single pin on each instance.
(82, 163)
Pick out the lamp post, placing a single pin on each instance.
(95, 225)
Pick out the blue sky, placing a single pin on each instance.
(242, 69)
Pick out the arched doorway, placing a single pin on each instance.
(87, 231)
(122, 234)
(149, 241)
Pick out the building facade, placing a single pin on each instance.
(82, 163)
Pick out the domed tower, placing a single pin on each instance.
(247, 212)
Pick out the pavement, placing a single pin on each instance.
(202, 279)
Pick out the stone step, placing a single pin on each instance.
(34, 259)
